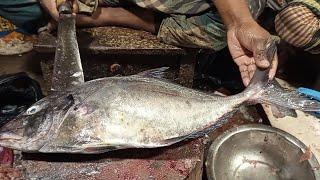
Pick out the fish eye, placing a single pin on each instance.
(33, 110)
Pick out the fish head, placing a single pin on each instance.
(32, 129)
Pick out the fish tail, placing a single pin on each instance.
(261, 90)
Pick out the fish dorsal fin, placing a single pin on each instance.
(159, 73)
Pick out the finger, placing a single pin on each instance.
(249, 61)
(245, 77)
(244, 60)
(260, 56)
(243, 68)
(51, 7)
(51, 26)
(252, 69)
(75, 7)
(238, 61)
(274, 66)
(245, 80)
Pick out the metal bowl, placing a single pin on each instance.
(259, 152)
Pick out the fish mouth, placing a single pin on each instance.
(9, 136)
(11, 140)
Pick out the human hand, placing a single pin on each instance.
(51, 7)
(250, 45)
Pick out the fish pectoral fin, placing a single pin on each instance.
(168, 142)
(98, 149)
(159, 73)
(81, 149)
(102, 148)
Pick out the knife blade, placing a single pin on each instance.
(67, 71)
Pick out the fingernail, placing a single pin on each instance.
(265, 63)
(270, 76)
(245, 82)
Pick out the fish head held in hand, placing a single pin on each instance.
(32, 129)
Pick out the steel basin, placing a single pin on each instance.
(259, 152)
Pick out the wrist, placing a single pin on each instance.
(238, 22)
(233, 13)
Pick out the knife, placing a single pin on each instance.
(67, 70)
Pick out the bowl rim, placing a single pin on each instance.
(214, 147)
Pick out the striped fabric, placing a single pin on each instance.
(313, 5)
(196, 23)
(297, 25)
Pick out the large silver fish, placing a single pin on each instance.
(136, 111)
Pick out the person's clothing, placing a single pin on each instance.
(196, 23)
(87, 6)
(26, 15)
(192, 23)
(298, 26)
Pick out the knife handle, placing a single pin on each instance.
(60, 2)
(64, 6)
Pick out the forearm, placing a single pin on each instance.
(134, 18)
(233, 12)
